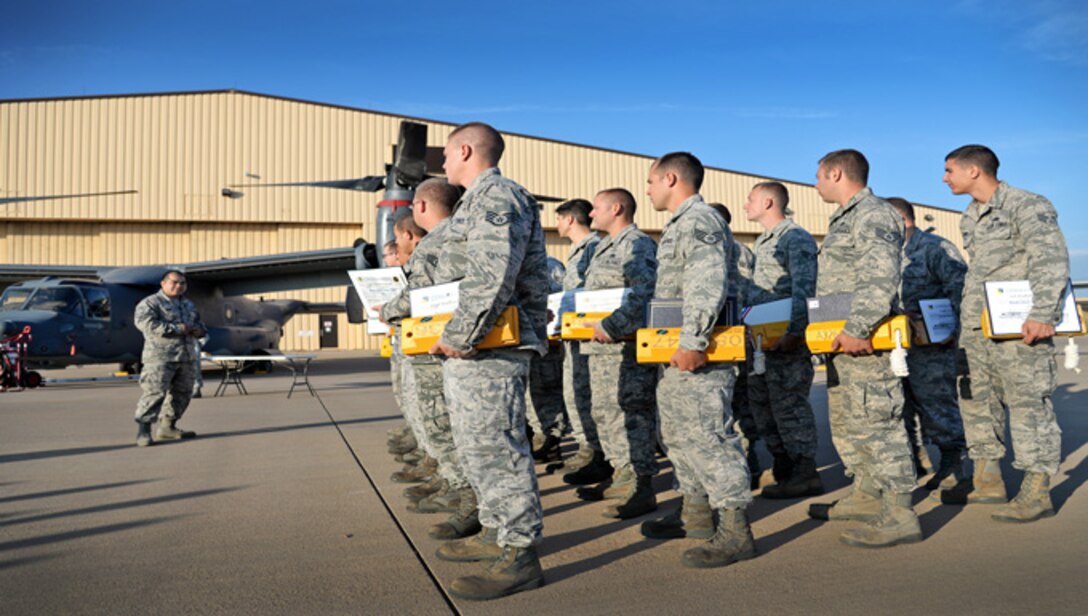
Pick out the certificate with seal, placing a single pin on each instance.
(1008, 303)
(376, 287)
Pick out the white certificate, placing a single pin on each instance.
(771, 312)
(558, 303)
(940, 319)
(603, 300)
(1009, 303)
(376, 287)
(438, 299)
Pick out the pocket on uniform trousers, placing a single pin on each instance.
(880, 402)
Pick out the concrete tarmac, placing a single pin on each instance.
(285, 507)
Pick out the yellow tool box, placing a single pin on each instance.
(657, 345)
(767, 333)
(419, 334)
(579, 325)
(819, 336)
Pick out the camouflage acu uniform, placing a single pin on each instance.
(622, 389)
(545, 410)
(1014, 236)
(740, 270)
(166, 380)
(423, 373)
(861, 255)
(576, 391)
(785, 268)
(495, 246)
(932, 268)
(696, 422)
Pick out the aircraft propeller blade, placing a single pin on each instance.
(411, 163)
(5, 200)
(371, 183)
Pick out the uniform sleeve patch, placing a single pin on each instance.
(888, 236)
(1048, 219)
(499, 219)
(708, 237)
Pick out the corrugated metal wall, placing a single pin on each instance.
(178, 151)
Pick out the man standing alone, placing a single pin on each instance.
(170, 324)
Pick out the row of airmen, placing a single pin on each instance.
(466, 440)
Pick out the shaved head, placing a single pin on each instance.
(439, 193)
(777, 192)
(484, 140)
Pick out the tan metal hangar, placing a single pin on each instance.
(169, 178)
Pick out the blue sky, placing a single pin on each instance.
(765, 88)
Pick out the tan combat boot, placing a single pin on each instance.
(989, 486)
(168, 431)
(896, 524)
(804, 480)
(416, 474)
(515, 570)
(863, 503)
(481, 546)
(421, 490)
(1032, 503)
(732, 542)
(581, 457)
(693, 519)
(446, 500)
(463, 522)
(620, 485)
(639, 501)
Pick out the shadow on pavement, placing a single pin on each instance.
(77, 451)
(562, 572)
(85, 532)
(155, 500)
(67, 491)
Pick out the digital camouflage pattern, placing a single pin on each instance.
(435, 419)
(428, 401)
(692, 261)
(741, 262)
(495, 247)
(740, 271)
(166, 381)
(1014, 236)
(862, 255)
(545, 409)
(932, 268)
(785, 267)
(486, 398)
(779, 402)
(695, 407)
(622, 390)
(576, 391)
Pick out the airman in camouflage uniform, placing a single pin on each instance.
(622, 389)
(572, 222)
(545, 410)
(932, 268)
(862, 255)
(694, 396)
(431, 207)
(170, 323)
(495, 246)
(1009, 234)
(740, 270)
(785, 268)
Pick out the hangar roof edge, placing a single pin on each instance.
(394, 115)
